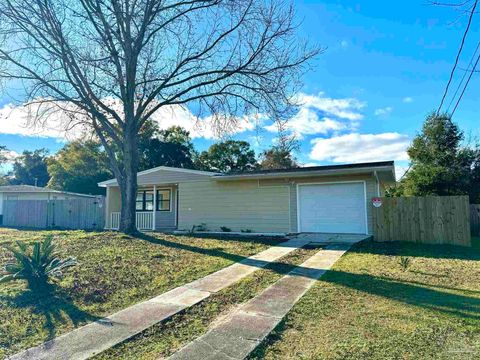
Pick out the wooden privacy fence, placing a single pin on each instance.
(475, 219)
(428, 220)
(79, 213)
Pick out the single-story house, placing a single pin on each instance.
(29, 192)
(329, 199)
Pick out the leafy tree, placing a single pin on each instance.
(280, 156)
(4, 175)
(440, 163)
(277, 158)
(3, 156)
(112, 64)
(170, 147)
(228, 156)
(78, 167)
(30, 168)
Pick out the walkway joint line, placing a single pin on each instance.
(248, 325)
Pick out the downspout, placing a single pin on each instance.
(378, 183)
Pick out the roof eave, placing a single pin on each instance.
(301, 173)
(113, 182)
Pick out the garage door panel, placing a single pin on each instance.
(334, 208)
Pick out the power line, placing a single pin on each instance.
(466, 84)
(458, 55)
(464, 75)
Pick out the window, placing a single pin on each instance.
(163, 199)
(144, 200)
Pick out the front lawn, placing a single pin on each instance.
(114, 271)
(367, 307)
(165, 338)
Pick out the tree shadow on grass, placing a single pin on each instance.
(403, 248)
(422, 295)
(457, 305)
(53, 305)
(245, 260)
(216, 252)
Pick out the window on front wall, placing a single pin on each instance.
(144, 200)
(163, 199)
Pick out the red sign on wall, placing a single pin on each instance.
(377, 202)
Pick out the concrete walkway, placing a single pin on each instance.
(243, 330)
(101, 335)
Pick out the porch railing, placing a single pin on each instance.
(115, 220)
(144, 220)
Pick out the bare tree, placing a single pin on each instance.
(116, 62)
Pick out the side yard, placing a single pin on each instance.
(368, 307)
(115, 271)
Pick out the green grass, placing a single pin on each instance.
(165, 338)
(367, 307)
(114, 271)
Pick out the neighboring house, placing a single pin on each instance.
(330, 199)
(28, 192)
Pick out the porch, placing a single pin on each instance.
(156, 208)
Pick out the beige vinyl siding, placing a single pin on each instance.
(165, 220)
(163, 176)
(166, 176)
(113, 203)
(235, 204)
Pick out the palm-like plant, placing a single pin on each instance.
(36, 264)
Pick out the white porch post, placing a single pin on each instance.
(154, 206)
(108, 216)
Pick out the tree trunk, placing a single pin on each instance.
(128, 185)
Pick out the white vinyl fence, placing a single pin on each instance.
(80, 213)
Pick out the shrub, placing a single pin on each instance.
(225, 229)
(201, 227)
(246, 230)
(36, 264)
(405, 262)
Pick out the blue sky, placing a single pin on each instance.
(384, 69)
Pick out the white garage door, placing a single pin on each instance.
(332, 208)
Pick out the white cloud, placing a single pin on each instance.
(208, 127)
(383, 111)
(407, 100)
(354, 148)
(10, 155)
(348, 108)
(19, 120)
(322, 115)
(307, 122)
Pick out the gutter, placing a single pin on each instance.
(301, 173)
